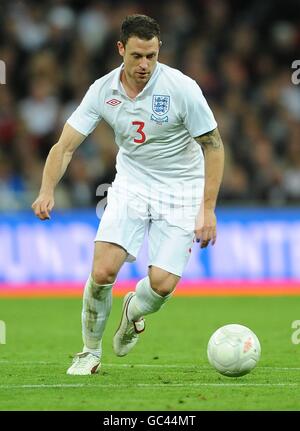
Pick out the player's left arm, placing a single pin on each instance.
(206, 223)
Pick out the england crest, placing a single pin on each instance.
(160, 104)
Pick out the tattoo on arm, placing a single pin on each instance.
(210, 141)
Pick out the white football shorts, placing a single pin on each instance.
(167, 218)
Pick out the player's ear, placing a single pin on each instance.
(159, 46)
(121, 48)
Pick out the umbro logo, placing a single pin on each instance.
(113, 102)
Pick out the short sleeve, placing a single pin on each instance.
(86, 117)
(197, 116)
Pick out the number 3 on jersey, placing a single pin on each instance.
(139, 130)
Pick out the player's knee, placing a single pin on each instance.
(162, 291)
(162, 282)
(104, 275)
(161, 287)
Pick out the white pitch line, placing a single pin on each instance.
(146, 385)
(280, 368)
(6, 361)
(193, 367)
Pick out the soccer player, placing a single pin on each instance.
(169, 170)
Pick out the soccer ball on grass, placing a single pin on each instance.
(233, 350)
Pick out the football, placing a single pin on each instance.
(233, 350)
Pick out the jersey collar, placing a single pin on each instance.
(116, 83)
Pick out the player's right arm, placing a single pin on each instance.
(56, 164)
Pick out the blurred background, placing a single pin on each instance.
(241, 55)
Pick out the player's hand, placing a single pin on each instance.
(43, 205)
(206, 227)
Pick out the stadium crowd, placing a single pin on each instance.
(241, 57)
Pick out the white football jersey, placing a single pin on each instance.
(154, 131)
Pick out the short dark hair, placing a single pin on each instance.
(141, 26)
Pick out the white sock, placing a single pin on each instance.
(97, 302)
(96, 352)
(146, 301)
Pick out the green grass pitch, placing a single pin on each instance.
(167, 370)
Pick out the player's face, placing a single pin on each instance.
(139, 57)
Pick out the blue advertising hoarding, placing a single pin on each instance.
(252, 244)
